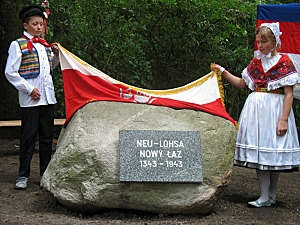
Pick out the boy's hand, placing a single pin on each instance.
(55, 49)
(35, 94)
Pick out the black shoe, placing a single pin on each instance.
(41, 183)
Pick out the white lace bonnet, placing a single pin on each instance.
(274, 27)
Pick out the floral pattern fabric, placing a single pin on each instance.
(282, 69)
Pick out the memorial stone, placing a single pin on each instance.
(84, 172)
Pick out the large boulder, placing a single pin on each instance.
(83, 174)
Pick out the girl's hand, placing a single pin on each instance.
(281, 127)
(218, 67)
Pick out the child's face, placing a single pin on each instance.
(35, 25)
(265, 45)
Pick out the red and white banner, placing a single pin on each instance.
(84, 84)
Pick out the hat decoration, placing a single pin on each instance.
(45, 4)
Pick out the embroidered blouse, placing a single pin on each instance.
(282, 73)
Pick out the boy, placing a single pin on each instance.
(29, 67)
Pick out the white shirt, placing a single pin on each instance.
(43, 82)
(267, 63)
(268, 60)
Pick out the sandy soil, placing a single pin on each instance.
(37, 206)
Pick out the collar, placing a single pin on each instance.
(28, 35)
(260, 55)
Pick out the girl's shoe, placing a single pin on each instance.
(272, 200)
(258, 204)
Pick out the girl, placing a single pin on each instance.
(267, 139)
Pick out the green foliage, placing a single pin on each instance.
(155, 44)
(158, 44)
(151, 44)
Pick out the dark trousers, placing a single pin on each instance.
(39, 121)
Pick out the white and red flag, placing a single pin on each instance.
(288, 16)
(84, 84)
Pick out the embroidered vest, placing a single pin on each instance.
(30, 67)
(282, 69)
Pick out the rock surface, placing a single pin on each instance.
(84, 172)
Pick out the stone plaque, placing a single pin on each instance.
(160, 156)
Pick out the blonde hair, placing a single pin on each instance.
(265, 33)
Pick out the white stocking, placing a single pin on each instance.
(263, 181)
(274, 176)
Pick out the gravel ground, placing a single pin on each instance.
(37, 206)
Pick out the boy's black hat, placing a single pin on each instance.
(31, 10)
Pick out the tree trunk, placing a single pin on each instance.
(10, 29)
